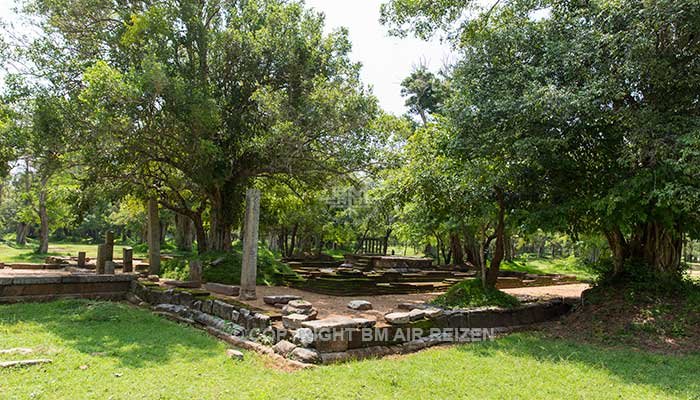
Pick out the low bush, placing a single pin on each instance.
(225, 267)
(471, 293)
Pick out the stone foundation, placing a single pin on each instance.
(14, 289)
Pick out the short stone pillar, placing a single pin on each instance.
(109, 267)
(109, 246)
(195, 272)
(127, 260)
(101, 258)
(81, 259)
(250, 244)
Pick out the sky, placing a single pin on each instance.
(386, 60)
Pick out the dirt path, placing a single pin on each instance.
(328, 306)
(573, 290)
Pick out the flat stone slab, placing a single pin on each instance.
(284, 347)
(46, 279)
(338, 323)
(294, 321)
(302, 304)
(219, 288)
(360, 305)
(183, 284)
(282, 299)
(398, 318)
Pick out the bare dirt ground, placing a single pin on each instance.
(329, 306)
(573, 290)
(622, 316)
(9, 273)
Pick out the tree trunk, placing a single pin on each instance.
(43, 218)
(651, 244)
(153, 237)
(183, 232)
(163, 231)
(219, 233)
(509, 248)
(22, 231)
(292, 241)
(200, 234)
(283, 241)
(495, 266)
(456, 249)
(386, 241)
(471, 250)
(483, 244)
(618, 246)
(226, 204)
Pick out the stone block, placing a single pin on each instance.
(261, 321)
(360, 305)
(481, 319)
(300, 304)
(226, 290)
(331, 342)
(338, 323)
(305, 355)
(458, 319)
(283, 299)
(207, 306)
(283, 347)
(398, 318)
(294, 321)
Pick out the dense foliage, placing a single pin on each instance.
(564, 127)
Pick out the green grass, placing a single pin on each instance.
(11, 253)
(536, 265)
(142, 356)
(471, 293)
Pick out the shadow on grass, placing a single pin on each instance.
(676, 375)
(132, 337)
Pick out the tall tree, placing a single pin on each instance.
(594, 105)
(424, 93)
(218, 92)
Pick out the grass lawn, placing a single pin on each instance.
(11, 253)
(128, 353)
(536, 265)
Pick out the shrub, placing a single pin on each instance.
(225, 267)
(471, 293)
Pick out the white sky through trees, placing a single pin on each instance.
(386, 60)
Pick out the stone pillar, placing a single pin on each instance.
(100, 262)
(81, 259)
(109, 267)
(153, 238)
(128, 260)
(109, 246)
(196, 271)
(250, 244)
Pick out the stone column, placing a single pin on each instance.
(109, 246)
(153, 238)
(81, 259)
(127, 260)
(100, 262)
(250, 244)
(196, 271)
